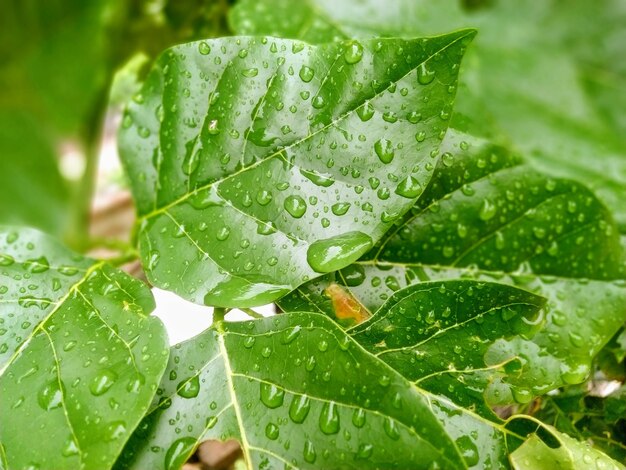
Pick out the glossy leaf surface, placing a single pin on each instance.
(297, 392)
(257, 164)
(468, 224)
(80, 359)
(543, 78)
(447, 336)
(570, 454)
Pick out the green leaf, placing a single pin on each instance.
(80, 359)
(319, 21)
(246, 156)
(542, 77)
(297, 392)
(488, 218)
(599, 420)
(570, 454)
(446, 336)
(32, 191)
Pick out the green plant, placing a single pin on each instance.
(451, 289)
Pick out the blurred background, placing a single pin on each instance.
(547, 78)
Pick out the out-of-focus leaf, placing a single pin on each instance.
(80, 359)
(570, 454)
(296, 391)
(258, 163)
(32, 191)
(600, 420)
(484, 216)
(546, 78)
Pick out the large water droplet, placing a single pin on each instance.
(102, 382)
(50, 396)
(409, 187)
(336, 252)
(299, 408)
(271, 395)
(295, 205)
(306, 74)
(178, 452)
(487, 210)
(468, 449)
(358, 417)
(424, 76)
(384, 150)
(329, 418)
(353, 53)
(189, 388)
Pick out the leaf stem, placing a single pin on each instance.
(219, 313)
(251, 313)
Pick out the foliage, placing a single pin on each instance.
(452, 281)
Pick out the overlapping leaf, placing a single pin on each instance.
(256, 164)
(569, 454)
(541, 76)
(488, 218)
(446, 335)
(297, 392)
(79, 357)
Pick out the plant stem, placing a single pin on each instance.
(251, 313)
(219, 313)
(78, 231)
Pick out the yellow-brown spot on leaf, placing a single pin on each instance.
(345, 305)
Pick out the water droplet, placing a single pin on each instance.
(318, 102)
(189, 388)
(204, 48)
(272, 431)
(222, 233)
(317, 178)
(102, 382)
(252, 72)
(353, 53)
(336, 252)
(263, 197)
(358, 417)
(365, 111)
(409, 187)
(487, 210)
(299, 408)
(50, 396)
(329, 418)
(295, 205)
(340, 208)
(309, 452)
(271, 395)
(365, 451)
(468, 449)
(424, 76)
(306, 74)
(391, 428)
(178, 452)
(384, 150)
(290, 335)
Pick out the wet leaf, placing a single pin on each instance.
(79, 357)
(445, 336)
(258, 164)
(595, 419)
(487, 217)
(296, 391)
(541, 77)
(570, 454)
